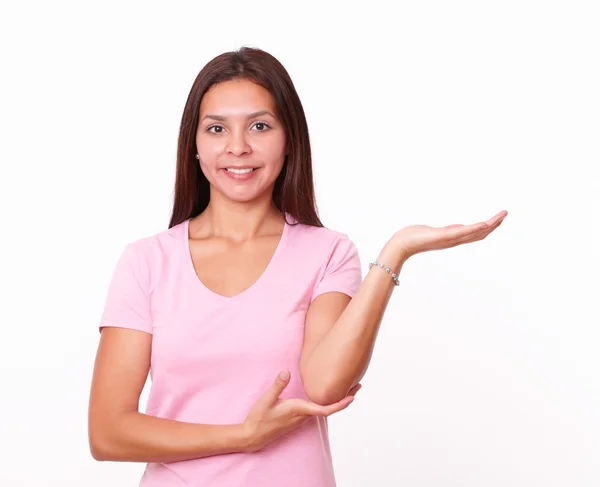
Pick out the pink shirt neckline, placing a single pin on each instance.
(190, 264)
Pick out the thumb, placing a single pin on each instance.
(278, 386)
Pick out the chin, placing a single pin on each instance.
(243, 197)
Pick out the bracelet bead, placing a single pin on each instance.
(386, 269)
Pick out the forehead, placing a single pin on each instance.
(236, 96)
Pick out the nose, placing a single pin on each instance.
(237, 143)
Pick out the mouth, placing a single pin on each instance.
(236, 170)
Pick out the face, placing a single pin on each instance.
(241, 143)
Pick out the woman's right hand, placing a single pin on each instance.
(272, 417)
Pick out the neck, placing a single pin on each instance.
(240, 221)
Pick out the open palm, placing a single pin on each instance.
(415, 239)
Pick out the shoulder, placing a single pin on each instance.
(149, 254)
(319, 238)
(329, 256)
(322, 246)
(161, 242)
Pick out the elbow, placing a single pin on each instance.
(98, 451)
(106, 439)
(100, 445)
(98, 455)
(324, 399)
(324, 394)
(323, 389)
(103, 451)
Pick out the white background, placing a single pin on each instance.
(486, 368)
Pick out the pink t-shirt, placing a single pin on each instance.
(214, 356)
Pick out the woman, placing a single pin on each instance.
(251, 316)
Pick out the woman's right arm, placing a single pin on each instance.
(118, 432)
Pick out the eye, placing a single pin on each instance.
(261, 127)
(209, 129)
(262, 124)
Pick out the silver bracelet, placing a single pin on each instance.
(386, 269)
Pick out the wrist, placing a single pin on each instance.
(247, 439)
(393, 257)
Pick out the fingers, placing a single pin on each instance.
(480, 233)
(312, 409)
(497, 218)
(273, 393)
(333, 408)
(493, 223)
(354, 390)
(458, 234)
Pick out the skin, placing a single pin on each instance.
(238, 232)
(241, 227)
(340, 332)
(238, 126)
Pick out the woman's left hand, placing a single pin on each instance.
(422, 238)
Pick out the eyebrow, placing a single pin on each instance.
(220, 118)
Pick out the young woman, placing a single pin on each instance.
(252, 318)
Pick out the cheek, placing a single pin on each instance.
(273, 151)
(209, 155)
(207, 164)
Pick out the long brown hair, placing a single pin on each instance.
(294, 189)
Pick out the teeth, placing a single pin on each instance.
(240, 171)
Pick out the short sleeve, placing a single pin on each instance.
(343, 271)
(127, 300)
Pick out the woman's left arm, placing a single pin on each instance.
(340, 331)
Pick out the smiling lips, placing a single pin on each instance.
(240, 173)
(237, 170)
